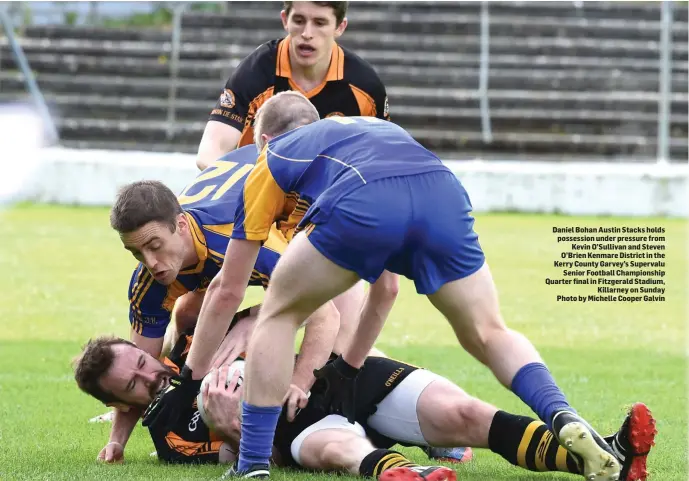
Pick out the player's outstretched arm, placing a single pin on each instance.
(223, 298)
(319, 339)
(377, 306)
(123, 423)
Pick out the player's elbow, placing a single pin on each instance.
(217, 140)
(224, 295)
(202, 163)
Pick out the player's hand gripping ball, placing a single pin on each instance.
(237, 365)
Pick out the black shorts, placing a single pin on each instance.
(378, 377)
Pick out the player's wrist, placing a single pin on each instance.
(186, 373)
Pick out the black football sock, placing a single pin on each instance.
(381, 460)
(526, 442)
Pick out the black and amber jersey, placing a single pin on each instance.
(187, 440)
(209, 203)
(351, 87)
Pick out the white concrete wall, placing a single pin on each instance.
(92, 177)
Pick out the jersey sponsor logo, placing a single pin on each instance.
(193, 424)
(394, 376)
(227, 99)
(335, 114)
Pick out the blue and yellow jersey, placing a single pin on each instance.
(314, 166)
(209, 204)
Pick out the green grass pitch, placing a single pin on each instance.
(65, 279)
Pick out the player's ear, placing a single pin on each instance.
(119, 406)
(265, 138)
(341, 27)
(182, 223)
(283, 16)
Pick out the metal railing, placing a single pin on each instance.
(178, 11)
(483, 91)
(51, 135)
(663, 153)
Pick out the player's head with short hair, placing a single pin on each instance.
(117, 373)
(153, 227)
(281, 113)
(339, 9)
(313, 28)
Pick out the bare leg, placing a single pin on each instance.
(449, 417)
(334, 450)
(302, 281)
(471, 306)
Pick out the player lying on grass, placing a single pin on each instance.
(233, 346)
(396, 404)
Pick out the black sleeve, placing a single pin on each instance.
(380, 97)
(189, 441)
(363, 76)
(252, 76)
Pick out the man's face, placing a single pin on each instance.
(135, 377)
(159, 249)
(312, 31)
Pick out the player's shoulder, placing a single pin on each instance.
(257, 70)
(360, 73)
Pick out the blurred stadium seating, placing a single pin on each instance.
(566, 79)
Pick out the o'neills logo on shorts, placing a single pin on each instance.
(394, 376)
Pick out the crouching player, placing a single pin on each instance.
(397, 403)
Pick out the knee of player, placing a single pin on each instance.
(344, 453)
(457, 413)
(482, 332)
(184, 319)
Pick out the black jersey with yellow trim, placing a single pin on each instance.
(188, 440)
(351, 87)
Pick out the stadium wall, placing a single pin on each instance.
(92, 177)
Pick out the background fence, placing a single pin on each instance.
(505, 80)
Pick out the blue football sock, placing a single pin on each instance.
(258, 431)
(535, 386)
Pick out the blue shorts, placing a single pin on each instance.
(418, 226)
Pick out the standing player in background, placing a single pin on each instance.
(308, 60)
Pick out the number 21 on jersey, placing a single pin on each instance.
(217, 181)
